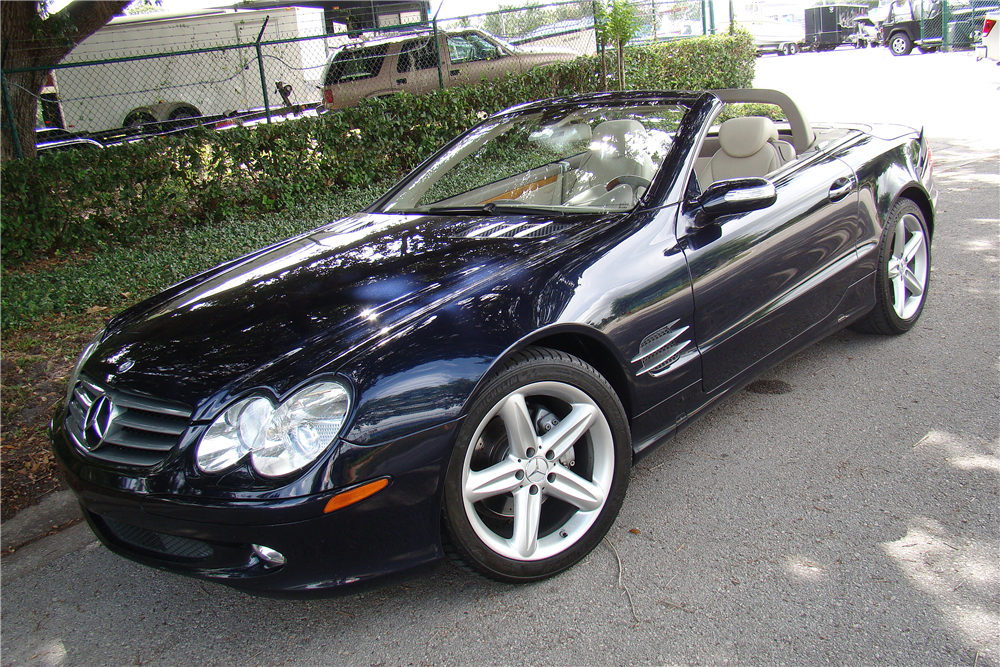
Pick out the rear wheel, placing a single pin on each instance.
(900, 44)
(903, 274)
(540, 469)
(136, 118)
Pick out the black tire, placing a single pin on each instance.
(184, 112)
(903, 274)
(136, 118)
(521, 527)
(793, 49)
(900, 44)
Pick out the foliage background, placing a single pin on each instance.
(67, 202)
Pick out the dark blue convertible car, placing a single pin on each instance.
(471, 365)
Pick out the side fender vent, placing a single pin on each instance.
(661, 350)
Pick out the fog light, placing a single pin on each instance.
(268, 555)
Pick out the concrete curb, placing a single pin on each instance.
(55, 510)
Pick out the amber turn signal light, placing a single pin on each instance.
(357, 494)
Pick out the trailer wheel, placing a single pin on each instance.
(184, 112)
(792, 49)
(138, 117)
(900, 44)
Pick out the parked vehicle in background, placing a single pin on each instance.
(770, 36)
(829, 26)
(120, 94)
(921, 24)
(416, 64)
(867, 32)
(989, 47)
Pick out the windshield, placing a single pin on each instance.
(596, 159)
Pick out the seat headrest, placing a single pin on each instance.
(742, 137)
(614, 133)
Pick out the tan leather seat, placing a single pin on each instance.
(618, 148)
(749, 146)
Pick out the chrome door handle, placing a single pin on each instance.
(841, 188)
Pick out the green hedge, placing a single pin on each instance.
(77, 199)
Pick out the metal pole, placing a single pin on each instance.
(704, 17)
(8, 111)
(437, 51)
(263, 79)
(652, 6)
(945, 32)
(711, 16)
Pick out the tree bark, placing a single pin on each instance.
(30, 42)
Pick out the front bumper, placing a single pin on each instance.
(393, 534)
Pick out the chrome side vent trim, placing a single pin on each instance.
(662, 349)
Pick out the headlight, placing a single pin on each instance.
(75, 375)
(279, 440)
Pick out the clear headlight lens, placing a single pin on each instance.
(279, 440)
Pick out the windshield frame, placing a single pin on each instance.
(559, 108)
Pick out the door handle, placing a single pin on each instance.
(454, 72)
(841, 188)
(400, 82)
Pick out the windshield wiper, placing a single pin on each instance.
(491, 208)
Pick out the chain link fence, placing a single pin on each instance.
(155, 73)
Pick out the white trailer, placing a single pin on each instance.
(123, 93)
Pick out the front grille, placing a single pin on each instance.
(121, 427)
(169, 546)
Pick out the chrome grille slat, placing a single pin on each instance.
(148, 421)
(138, 440)
(122, 427)
(150, 405)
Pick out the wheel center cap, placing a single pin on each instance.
(536, 469)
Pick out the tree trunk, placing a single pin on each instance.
(22, 89)
(28, 42)
(621, 64)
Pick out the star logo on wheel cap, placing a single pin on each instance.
(536, 469)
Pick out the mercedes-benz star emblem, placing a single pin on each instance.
(129, 363)
(536, 470)
(101, 414)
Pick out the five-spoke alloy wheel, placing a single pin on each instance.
(540, 469)
(904, 271)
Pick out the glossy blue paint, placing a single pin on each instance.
(414, 314)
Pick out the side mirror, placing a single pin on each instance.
(737, 195)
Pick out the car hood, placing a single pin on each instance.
(286, 313)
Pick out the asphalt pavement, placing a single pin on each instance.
(853, 519)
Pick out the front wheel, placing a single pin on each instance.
(900, 44)
(903, 274)
(540, 469)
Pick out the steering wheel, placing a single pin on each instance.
(635, 182)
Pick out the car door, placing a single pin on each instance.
(417, 66)
(472, 58)
(762, 279)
